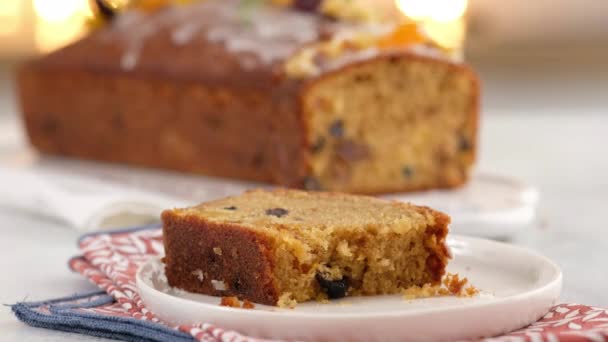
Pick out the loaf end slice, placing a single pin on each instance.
(397, 122)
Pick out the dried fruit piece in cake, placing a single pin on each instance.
(286, 246)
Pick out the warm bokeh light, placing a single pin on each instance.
(50, 36)
(10, 15)
(436, 10)
(450, 35)
(442, 20)
(60, 10)
(60, 22)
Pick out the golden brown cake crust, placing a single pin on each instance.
(202, 249)
(160, 123)
(244, 265)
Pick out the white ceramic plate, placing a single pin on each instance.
(489, 206)
(518, 287)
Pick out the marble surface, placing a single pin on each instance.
(559, 148)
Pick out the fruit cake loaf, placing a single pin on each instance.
(286, 246)
(269, 94)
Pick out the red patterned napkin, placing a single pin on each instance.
(111, 261)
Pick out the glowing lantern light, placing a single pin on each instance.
(442, 20)
(60, 22)
(437, 10)
(10, 13)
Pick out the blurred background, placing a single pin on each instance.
(544, 68)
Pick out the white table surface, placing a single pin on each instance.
(561, 149)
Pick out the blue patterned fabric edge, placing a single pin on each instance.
(64, 316)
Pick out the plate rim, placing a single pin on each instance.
(495, 223)
(555, 281)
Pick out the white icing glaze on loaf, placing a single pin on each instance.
(186, 32)
(351, 57)
(260, 35)
(266, 32)
(134, 28)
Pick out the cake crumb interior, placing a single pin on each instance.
(400, 121)
(332, 247)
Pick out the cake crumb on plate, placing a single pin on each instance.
(234, 302)
(451, 285)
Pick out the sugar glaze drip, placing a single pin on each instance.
(268, 33)
(259, 36)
